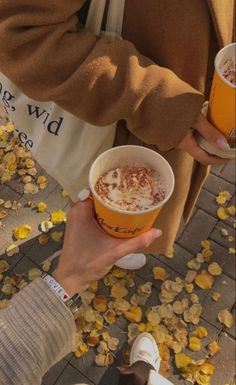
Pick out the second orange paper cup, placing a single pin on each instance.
(122, 223)
(221, 110)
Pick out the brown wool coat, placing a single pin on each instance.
(153, 82)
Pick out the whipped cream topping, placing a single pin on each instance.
(131, 188)
(228, 70)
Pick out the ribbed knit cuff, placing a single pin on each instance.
(37, 330)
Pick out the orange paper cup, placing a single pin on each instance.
(222, 98)
(122, 223)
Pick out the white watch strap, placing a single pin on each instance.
(56, 287)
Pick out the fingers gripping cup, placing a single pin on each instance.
(119, 220)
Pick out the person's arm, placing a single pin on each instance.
(43, 51)
(37, 329)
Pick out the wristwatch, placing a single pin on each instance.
(73, 303)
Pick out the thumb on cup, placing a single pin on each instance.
(140, 242)
(210, 133)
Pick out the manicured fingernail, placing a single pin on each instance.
(83, 194)
(157, 233)
(223, 144)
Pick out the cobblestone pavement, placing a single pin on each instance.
(203, 225)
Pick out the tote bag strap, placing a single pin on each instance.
(115, 17)
(95, 16)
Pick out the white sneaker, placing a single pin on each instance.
(132, 262)
(145, 349)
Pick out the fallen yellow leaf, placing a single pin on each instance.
(21, 232)
(58, 217)
(43, 239)
(200, 332)
(194, 344)
(204, 280)
(213, 348)
(12, 250)
(222, 213)
(182, 360)
(57, 236)
(41, 206)
(3, 214)
(206, 244)
(100, 303)
(226, 318)
(223, 197)
(231, 210)
(34, 273)
(41, 179)
(160, 273)
(134, 314)
(215, 269)
(4, 266)
(119, 290)
(215, 296)
(207, 368)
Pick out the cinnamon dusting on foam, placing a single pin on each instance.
(131, 188)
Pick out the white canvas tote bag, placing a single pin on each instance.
(63, 145)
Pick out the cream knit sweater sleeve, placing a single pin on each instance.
(36, 331)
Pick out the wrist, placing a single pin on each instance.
(70, 284)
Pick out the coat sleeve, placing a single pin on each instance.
(36, 331)
(48, 56)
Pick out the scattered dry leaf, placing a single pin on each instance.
(100, 303)
(153, 316)
(223, 197)
(41, 206)
(224, 232)
(119, 290)
(30, 188)
(21, 232)
(34, 273)
(12, 250)
(215, 295)
(92, 341)
(231, 210)
(46, 266)
(134, 314)
(222, 213)
(215, 269)
(57, 236)
(4, 266)
(104, 360)
(194, 264)
(226, 318)
(41, 179)
(45, 226)
(3, 214)
(160, 273)
(58, 217)
(182, 360)
(213, 348)
(204, 280)
(190, 276)
(43, 239)
(110, 316)
(194, 344)
(200, 332)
